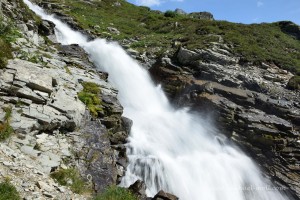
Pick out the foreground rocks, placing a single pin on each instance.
(248, 102)
(52, 128)
(139, 189)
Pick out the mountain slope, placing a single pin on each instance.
(275, 42)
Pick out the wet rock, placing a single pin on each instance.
(46, 28)
(139, 189)
(161, 195)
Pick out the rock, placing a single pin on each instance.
(72, 106)
(180, 11)
(34, 77)
(139, 189)
(201, 15)
(118, 138)
(43, 186)
(127, 124)
(133, 52)
(186, 56)
(161, 195)
(46, 28)
(113, 30)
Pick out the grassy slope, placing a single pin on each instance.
(255, 42)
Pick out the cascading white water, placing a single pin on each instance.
(169, 149)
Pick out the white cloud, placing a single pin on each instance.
(259, 4)
(148, 2)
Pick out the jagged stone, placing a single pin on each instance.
(161, 195)
(139, 189)
(30, 73)
(69, 105)
(46, 27)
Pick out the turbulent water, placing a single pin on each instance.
(169, 149)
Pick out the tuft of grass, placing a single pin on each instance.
(70, 177)
(8, 191)
(90, 97)
(5, 129)
(116, 193)
(68, 70)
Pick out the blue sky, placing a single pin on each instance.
(244, 11)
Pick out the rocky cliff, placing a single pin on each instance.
(248, 102)
(46, 128)
(250, 95)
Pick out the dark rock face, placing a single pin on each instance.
(139, 189)
(161, 195)
(249, 103)
(46, 28)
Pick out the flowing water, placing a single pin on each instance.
(169, 149)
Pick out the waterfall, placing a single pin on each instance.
(168, 148)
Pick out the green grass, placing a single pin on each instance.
(5, 129)
(116, 193)
(8, 191)
(70, 177)
(156, 32)
(5, 37)
(90, 97)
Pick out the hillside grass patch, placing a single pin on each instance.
(255, 43)
(116, 193)
(90, 97)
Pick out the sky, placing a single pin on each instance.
(242, 11)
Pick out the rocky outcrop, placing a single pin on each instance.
(249, 103)
(139, 189)
(201, 15)
(52, 128)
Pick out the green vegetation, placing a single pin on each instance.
(116, 193)
(5, 129)
(70, 177)
(7, 35)
(170, 13)
(157, 32)
(8, 191)
(90, 97)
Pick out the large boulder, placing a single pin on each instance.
(201, 15)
